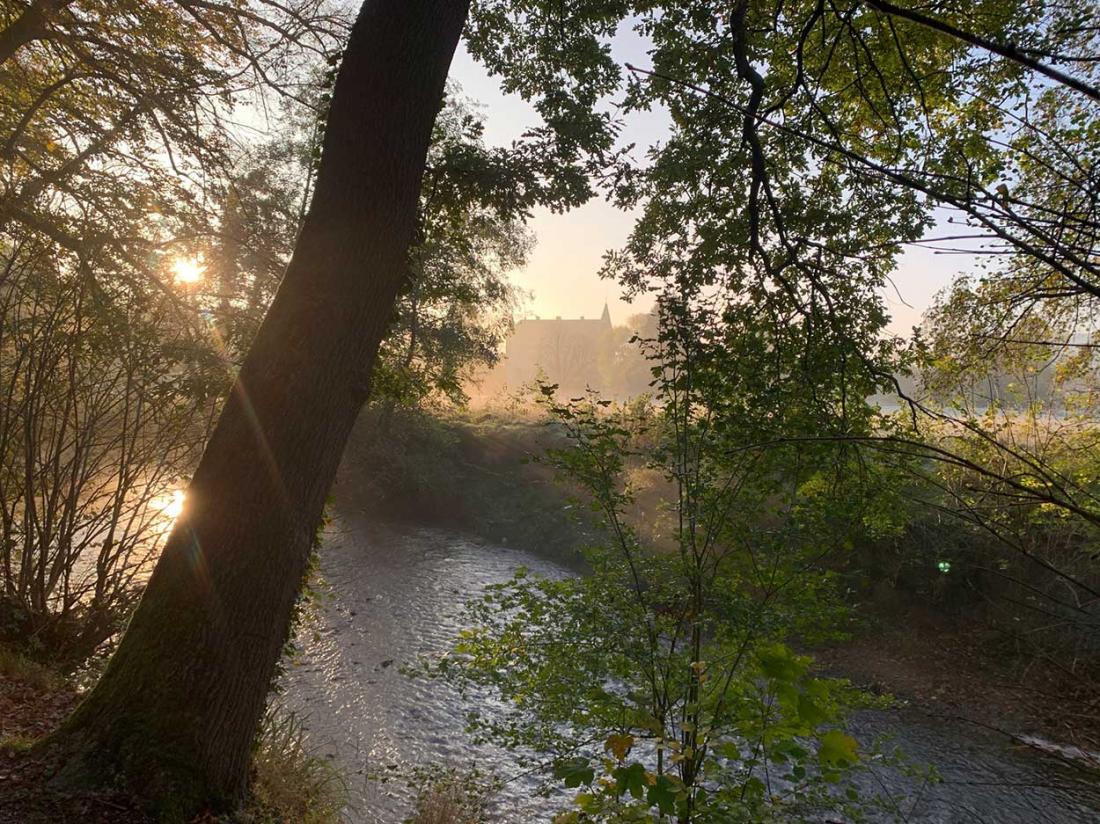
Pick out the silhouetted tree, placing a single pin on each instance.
(175, 713)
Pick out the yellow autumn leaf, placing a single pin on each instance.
(619, 744)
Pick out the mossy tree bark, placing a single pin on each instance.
(175, 714)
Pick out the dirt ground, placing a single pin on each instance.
(29, 708)
(953, 668)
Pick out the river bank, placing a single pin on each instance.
(394, 587)
(286, 783)
(942, 666)
(396, 592)
(480, 476)
(34, 700)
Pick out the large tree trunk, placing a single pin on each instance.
(176, 711)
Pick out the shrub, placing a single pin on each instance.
(662, 684)
(453, 797)
(106, 403)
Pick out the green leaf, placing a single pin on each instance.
(574, 772)
(630, 779)
(727, 749)
(778, 663)
(838, 749)
(810, 711)
(662, 795)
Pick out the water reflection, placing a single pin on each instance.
(393, 597)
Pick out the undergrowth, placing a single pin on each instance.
(290, 784)
(18, 667)
(452, 797)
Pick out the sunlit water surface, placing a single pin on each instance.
(397, 594)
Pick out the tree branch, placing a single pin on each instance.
(1005, 50)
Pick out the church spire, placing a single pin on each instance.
(606, 316)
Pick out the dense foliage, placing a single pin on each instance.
(662, 682)
(810, 143)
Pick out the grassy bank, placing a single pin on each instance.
(477, 474)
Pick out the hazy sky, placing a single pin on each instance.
(562, 272)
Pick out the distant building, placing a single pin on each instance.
(575, 353)
(568, 351)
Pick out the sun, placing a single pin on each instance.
(188, 270)
(171, 506)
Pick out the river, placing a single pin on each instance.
(396, 593)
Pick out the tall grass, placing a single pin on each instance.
(453, 797)
(291, 785)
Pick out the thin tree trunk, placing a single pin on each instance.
(176, 712)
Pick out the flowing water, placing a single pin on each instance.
(395, 594)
